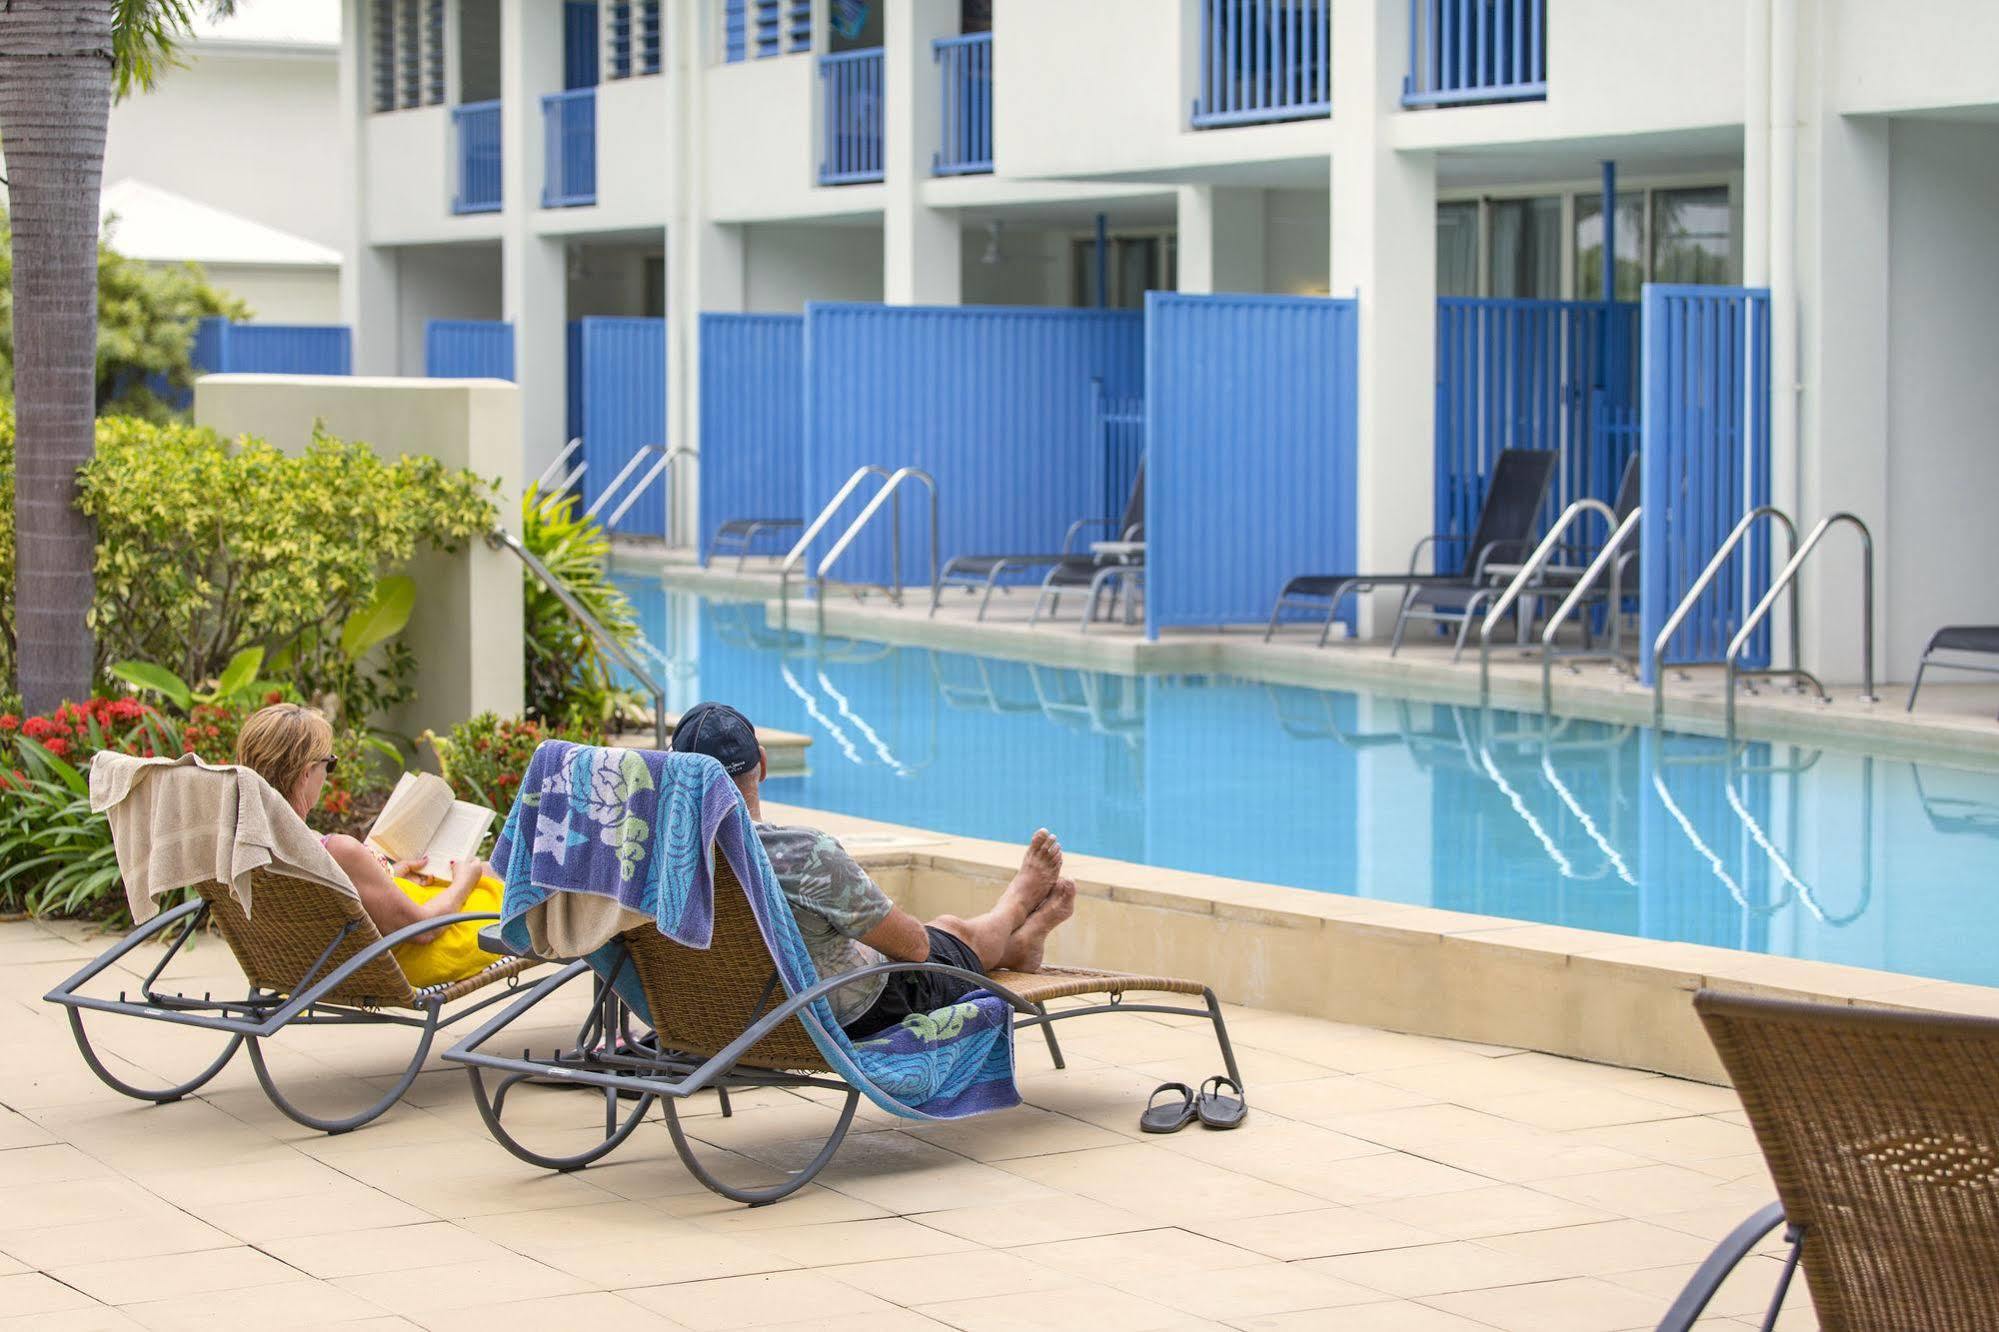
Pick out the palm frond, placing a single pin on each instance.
(146, 36)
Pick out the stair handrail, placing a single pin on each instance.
(541, 482)
(1785, 577)
(890, 490)
(1700, 585)
(1526, 575)
(665, 465)
(818, 525)
(501, 539)
(1576, 594)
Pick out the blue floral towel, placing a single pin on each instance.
(641, 827)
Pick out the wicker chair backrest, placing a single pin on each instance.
(291, 922)
(1881, 1130)
(704, 998)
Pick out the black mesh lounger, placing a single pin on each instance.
(1980, 638)
(739, 535)
(982, 573)
(1520, 480)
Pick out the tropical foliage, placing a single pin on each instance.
(570, 679)
(485, 758)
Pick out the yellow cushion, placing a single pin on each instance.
(455, 953)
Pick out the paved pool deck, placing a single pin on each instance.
(1384, 1183)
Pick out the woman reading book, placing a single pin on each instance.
(291, 747)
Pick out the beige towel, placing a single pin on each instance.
(176, 822)
(578, 924)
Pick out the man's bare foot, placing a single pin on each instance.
(1031, 939)
(1039, 869)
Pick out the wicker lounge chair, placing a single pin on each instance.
(722, 1021)
(1982, 639)
(312, 957)
(1069, 570)
(1881, 1129)
(1520, 480)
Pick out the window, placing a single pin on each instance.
(1630, 237)
(409, 53)
(406, 51)
(433, 52)
(756, 29)
(1526, 248)
(1137, 264)
(1692, 236)
(1457, 249)
(382, 24)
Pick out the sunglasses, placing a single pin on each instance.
(331, 761)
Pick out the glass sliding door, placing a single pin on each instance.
(1526, 248)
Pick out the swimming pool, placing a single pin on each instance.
(1825, 854)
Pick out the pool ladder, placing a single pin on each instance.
(889, 496)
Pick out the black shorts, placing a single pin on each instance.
(921, 991)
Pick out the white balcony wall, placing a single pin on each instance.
(634, 171)
(410, 169)
(1914, 56)
(761, 122)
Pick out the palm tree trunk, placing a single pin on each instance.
(55, 101)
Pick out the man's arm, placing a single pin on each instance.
(900, 937)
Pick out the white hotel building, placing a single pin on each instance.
(754, 155)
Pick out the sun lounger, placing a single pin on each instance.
(738, 536)
(1505, 530)
(1982, 639)
(1070, 569)
(1881, 1131)
(727, 1017)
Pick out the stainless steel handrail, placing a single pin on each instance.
(673, 455)
(797, 552)
(618, 481)
(1602, 561)
(1785, 577)
(501, 539)
(1700, 585)
(889, 491)
(1528, 572)
(541, 482)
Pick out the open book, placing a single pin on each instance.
(422, 819)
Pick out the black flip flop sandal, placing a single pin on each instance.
(1168, 1118)
(1218, 1111)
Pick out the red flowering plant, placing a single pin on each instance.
(485, 758)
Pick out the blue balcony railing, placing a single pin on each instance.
(475, 130)
(569, 148)
(1464, 51)
(757, 29)
(1264, 60)
(851, 151)
(968, 104)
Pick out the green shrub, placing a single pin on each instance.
(207, 547)
(570, 680)
(485, 758)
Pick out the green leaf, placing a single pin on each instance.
(41, 757)
(156, 678)
(240, 672)
(381, 619)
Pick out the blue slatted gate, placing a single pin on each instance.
(468, 349)
(619, 366)
(1251, 442)
(222, 347)
(1707, 461)
(1523, 374)
(993, 402)
(752, 422)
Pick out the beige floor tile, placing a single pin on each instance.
(662, 1260)
(1024, 1131)
(857, 1242)
(1239, 1292)
(289, 1176)
(1138, 1253)
(1582, 1304)
(1656, 1190)
(1323, 1100)
(134, 1236)
(1329, 1231)
(1396, 1316)
(552, 1229)
(18, 1131)
(389, 1249)
(1421, 1126)
(1388, 1176)
(1592, 1250)
(1695, 1097)
(906, 1175)
(137, 1280)
(1588, 1108)
(1152, 1181)
(760, 1300)
(1434, 1269)
(913, 1281)
(887, 1320)
(36, 1293)
(1745, 1293)
(58, 1161)
(1689, 1141)
(1043, 1221)
(94, 1318)
(293, 1304)
(417, 1291)
(1077, 1309)
(815, 1204)
(597, 1310)
(476, 1179)
(1527, 1154)
(1502, 1209)
(349, 1206)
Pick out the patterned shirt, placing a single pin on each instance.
(835, 903)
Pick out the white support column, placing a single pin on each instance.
(1756, 143)
(1221, 239)
(367, 272)
(533, 270)
(1384, 241)
(921, 246)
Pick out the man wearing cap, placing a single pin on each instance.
(848, 922)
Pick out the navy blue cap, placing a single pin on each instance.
(720, 732)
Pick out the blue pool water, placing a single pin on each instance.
(1831, 855)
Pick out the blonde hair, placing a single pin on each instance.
(280, 742)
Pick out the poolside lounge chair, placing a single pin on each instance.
(1979, 638)
(724, 1018)
(739, 536)
(311, 957)
(1505, 530)
(1067, 570)
(1881, 1130)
